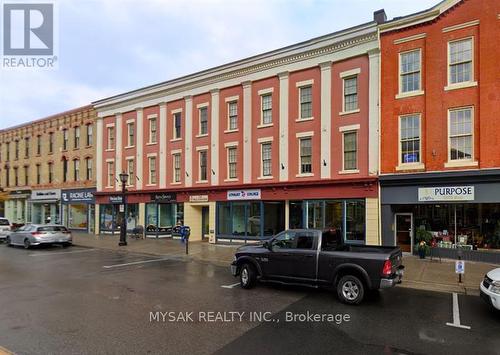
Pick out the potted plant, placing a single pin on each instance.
(424, 238)
(422, 249)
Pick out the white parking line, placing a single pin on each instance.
(456, 314)
(136, 263)
(231, 286)
(62, 252)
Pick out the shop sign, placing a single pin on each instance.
(46, 195)
(198, 198)
(20, 192)
(243, 194)
(116, 199)
(72, 196)
(448, 193)
(164, 197)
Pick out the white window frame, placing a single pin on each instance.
(264, 93)
(89, 135)
(151, 119)
(228, 105)
(110, 183)
(174, 131)
(150, 158)
(131, 129)
(200, 152)
(356, 110)
(228, 148)
(418, 92)
(300, 136)
(201, 107)
(176, 153)
(131, 177)
(76, 169)
(462, 162)
(109, 146)
(262, 143)
(89, 168)
(344, 131)
(300, 86)
(464, 84)
(419, 164)
(76, 144)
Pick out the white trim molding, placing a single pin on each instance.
(202, 105)
(202, 147)
(232, 98)
(265, 139)
(231, 144)
(352, 72)
(305, 134)
(460, 26)
(303, 83)
(353, 127)
(265, 91)
(410, 38)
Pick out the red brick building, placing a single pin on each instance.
(440, 105)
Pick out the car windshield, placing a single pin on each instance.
(4, 222)
(52, 229)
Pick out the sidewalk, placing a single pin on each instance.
(420, 274)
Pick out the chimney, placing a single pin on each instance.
(379, 16)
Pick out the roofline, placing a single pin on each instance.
(418, 17)
(214, 71)
(47, 118)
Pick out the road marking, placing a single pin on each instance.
(62, 252)
(456, 314)
(4, 351)
(136, 263)
(231, 286)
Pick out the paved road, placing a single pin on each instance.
(80, 301)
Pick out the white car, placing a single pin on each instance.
(5, 228)
(490, 288)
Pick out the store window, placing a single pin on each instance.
(355, 221)
(111, 218)
(162, 217)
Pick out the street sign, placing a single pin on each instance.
(459, 267)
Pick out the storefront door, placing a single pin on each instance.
(205, 211)
(404, 231)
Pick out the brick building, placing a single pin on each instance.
(47, 169)
(283, 139)
(440, 99)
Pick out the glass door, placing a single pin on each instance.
(404, 231)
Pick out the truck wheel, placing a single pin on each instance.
(350, 290)
(248, 276)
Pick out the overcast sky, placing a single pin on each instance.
(111, 46)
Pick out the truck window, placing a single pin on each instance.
(331, 240)
(285, 240)
(305, 240)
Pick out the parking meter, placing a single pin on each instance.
(185, 232)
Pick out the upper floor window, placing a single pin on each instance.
(77, 138)
(203, 112)
(152, 130)
(16, 151)
(111, 173)
(1, 153)
(305, 155)
(305, 102)
(152, 170)
(130, 134)
(266, 159)
(351, 93)
(90, 135)
(111, 137)
(65, 169)
(461, 134)
(51, 143)
(177, 167)
(88, 163)
(26, 147)
(130, 172)
(38, 174)
(50, 167)
(65, 139)
(410, 67)
(16, 176)
(26, 175)
(460, 61)
(76, 170)
(203, 165)
(350, 151)
(232, 159)
(7, 151)
(233, 115)
(267, 108)
(177, 125)
(410, 139)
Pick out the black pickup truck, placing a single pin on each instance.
(319, 259)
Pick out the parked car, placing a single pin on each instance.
(490, 288)
(36, 234)
(319, 259)
(5, 228)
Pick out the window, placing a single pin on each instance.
(65, 169)
(26, 176)
(203, 165)
(410, 139)
(131, 134)
(305, 156)
(111, 137)
(266, 159)
(77, 138)
(0, 152)
(177, 167)
(65, 139)
(152, 130)
(111, 173)
(461, 128)
(177, 125)
(130, 172)
(410, 67)
(88, 164)
(233, 115)
(152, 170)
(26, 147)
(203, 112)
(16, 151)
(285, 240)
(350, 94)
(38, 175)
(350, 151)
(76, 170)
(306, 102)
(51, 172)
(51, 143)
(8, 151)
(90, 135)
(460, 61)
(232, 161)
(267, 108)
(16, 176)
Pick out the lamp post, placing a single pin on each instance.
(123, 207)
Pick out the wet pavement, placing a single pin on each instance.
(82, 300)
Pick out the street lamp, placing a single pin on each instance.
(123, 206)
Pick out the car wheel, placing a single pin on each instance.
(350, 289)
(248, 276)
(67, 244)
(27, 243)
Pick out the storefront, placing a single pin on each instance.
(45, 207)
(79, 209)
(162, 214)
(110, 217)
(16, 206)
(447, 210)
